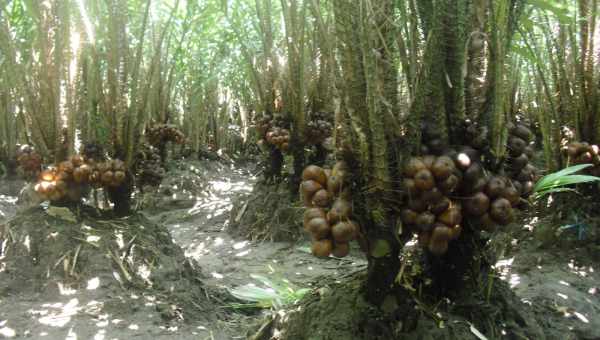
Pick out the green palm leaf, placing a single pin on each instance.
(556, 182)
(272, 295)
(549, 179)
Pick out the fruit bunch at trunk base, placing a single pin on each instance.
(444, 192)
(493, 205)
(163, 133)
(429, 183)
(279, 137)
(328, 214)
(29, 161)
(274, 131)
(584, 153)
(319, 127)
(518, 165)
(69, 181)
(108, 174)
(66, 182)
(148, 169)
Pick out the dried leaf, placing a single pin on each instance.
(62, 213)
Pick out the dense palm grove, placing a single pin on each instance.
(414, 132)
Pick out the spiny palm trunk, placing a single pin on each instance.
(294, 13)
(502, 23)
(365, 60)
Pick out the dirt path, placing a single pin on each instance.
(202, 231)
(561, 283)
(194, 203)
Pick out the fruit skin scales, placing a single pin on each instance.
(444, 191)
(68, 180)
(584, 153)
(441, 190)
(344, 232)
(329, 210)
(521, 172)
(271, 131)
(341, 210)
(319, 228)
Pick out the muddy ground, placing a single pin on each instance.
(194, 204)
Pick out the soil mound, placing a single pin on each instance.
(54, 251)
(268, 213)
(339, 311)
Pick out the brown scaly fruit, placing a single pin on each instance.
(438, 243)
(321, 198)
(311, 213)
(341, 249)
(319, 228)
(442, 167)
(315, 173)
(322, 248)
(501, 211)
(424, 180)
(344, 231)
(340, 211)
(308, 188)
(477, 204)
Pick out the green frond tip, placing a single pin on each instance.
(556, 182)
